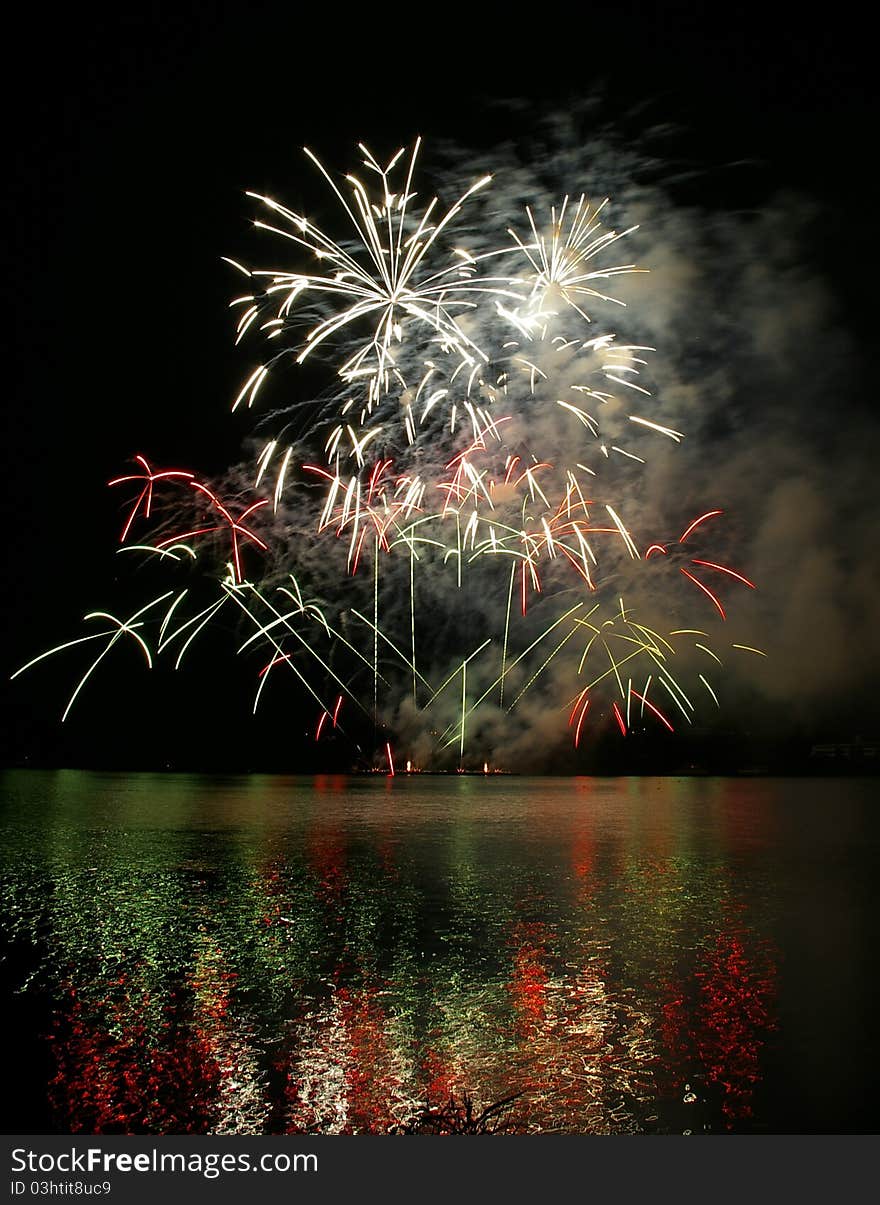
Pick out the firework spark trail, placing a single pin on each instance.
(476, 391)
(395, 285)
(127, 627)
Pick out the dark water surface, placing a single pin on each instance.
(268, 955)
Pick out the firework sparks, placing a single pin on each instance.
(441, 480)
(388, 280)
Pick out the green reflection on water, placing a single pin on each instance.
(264, 954)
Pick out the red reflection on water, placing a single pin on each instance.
(579, 1048)
(326, 854)
(528, 985)
(344, 1077)
(583, 854)
(126, 1065)
(736, 1014)
(371, 1080)
(115, 1075)
(335, 783)
(439, 1077)
(720, 1021)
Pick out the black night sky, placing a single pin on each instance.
(130, 141)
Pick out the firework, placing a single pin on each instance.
(438, 544)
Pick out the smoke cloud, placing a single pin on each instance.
(456, 612)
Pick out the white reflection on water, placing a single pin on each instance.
(260, 954)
